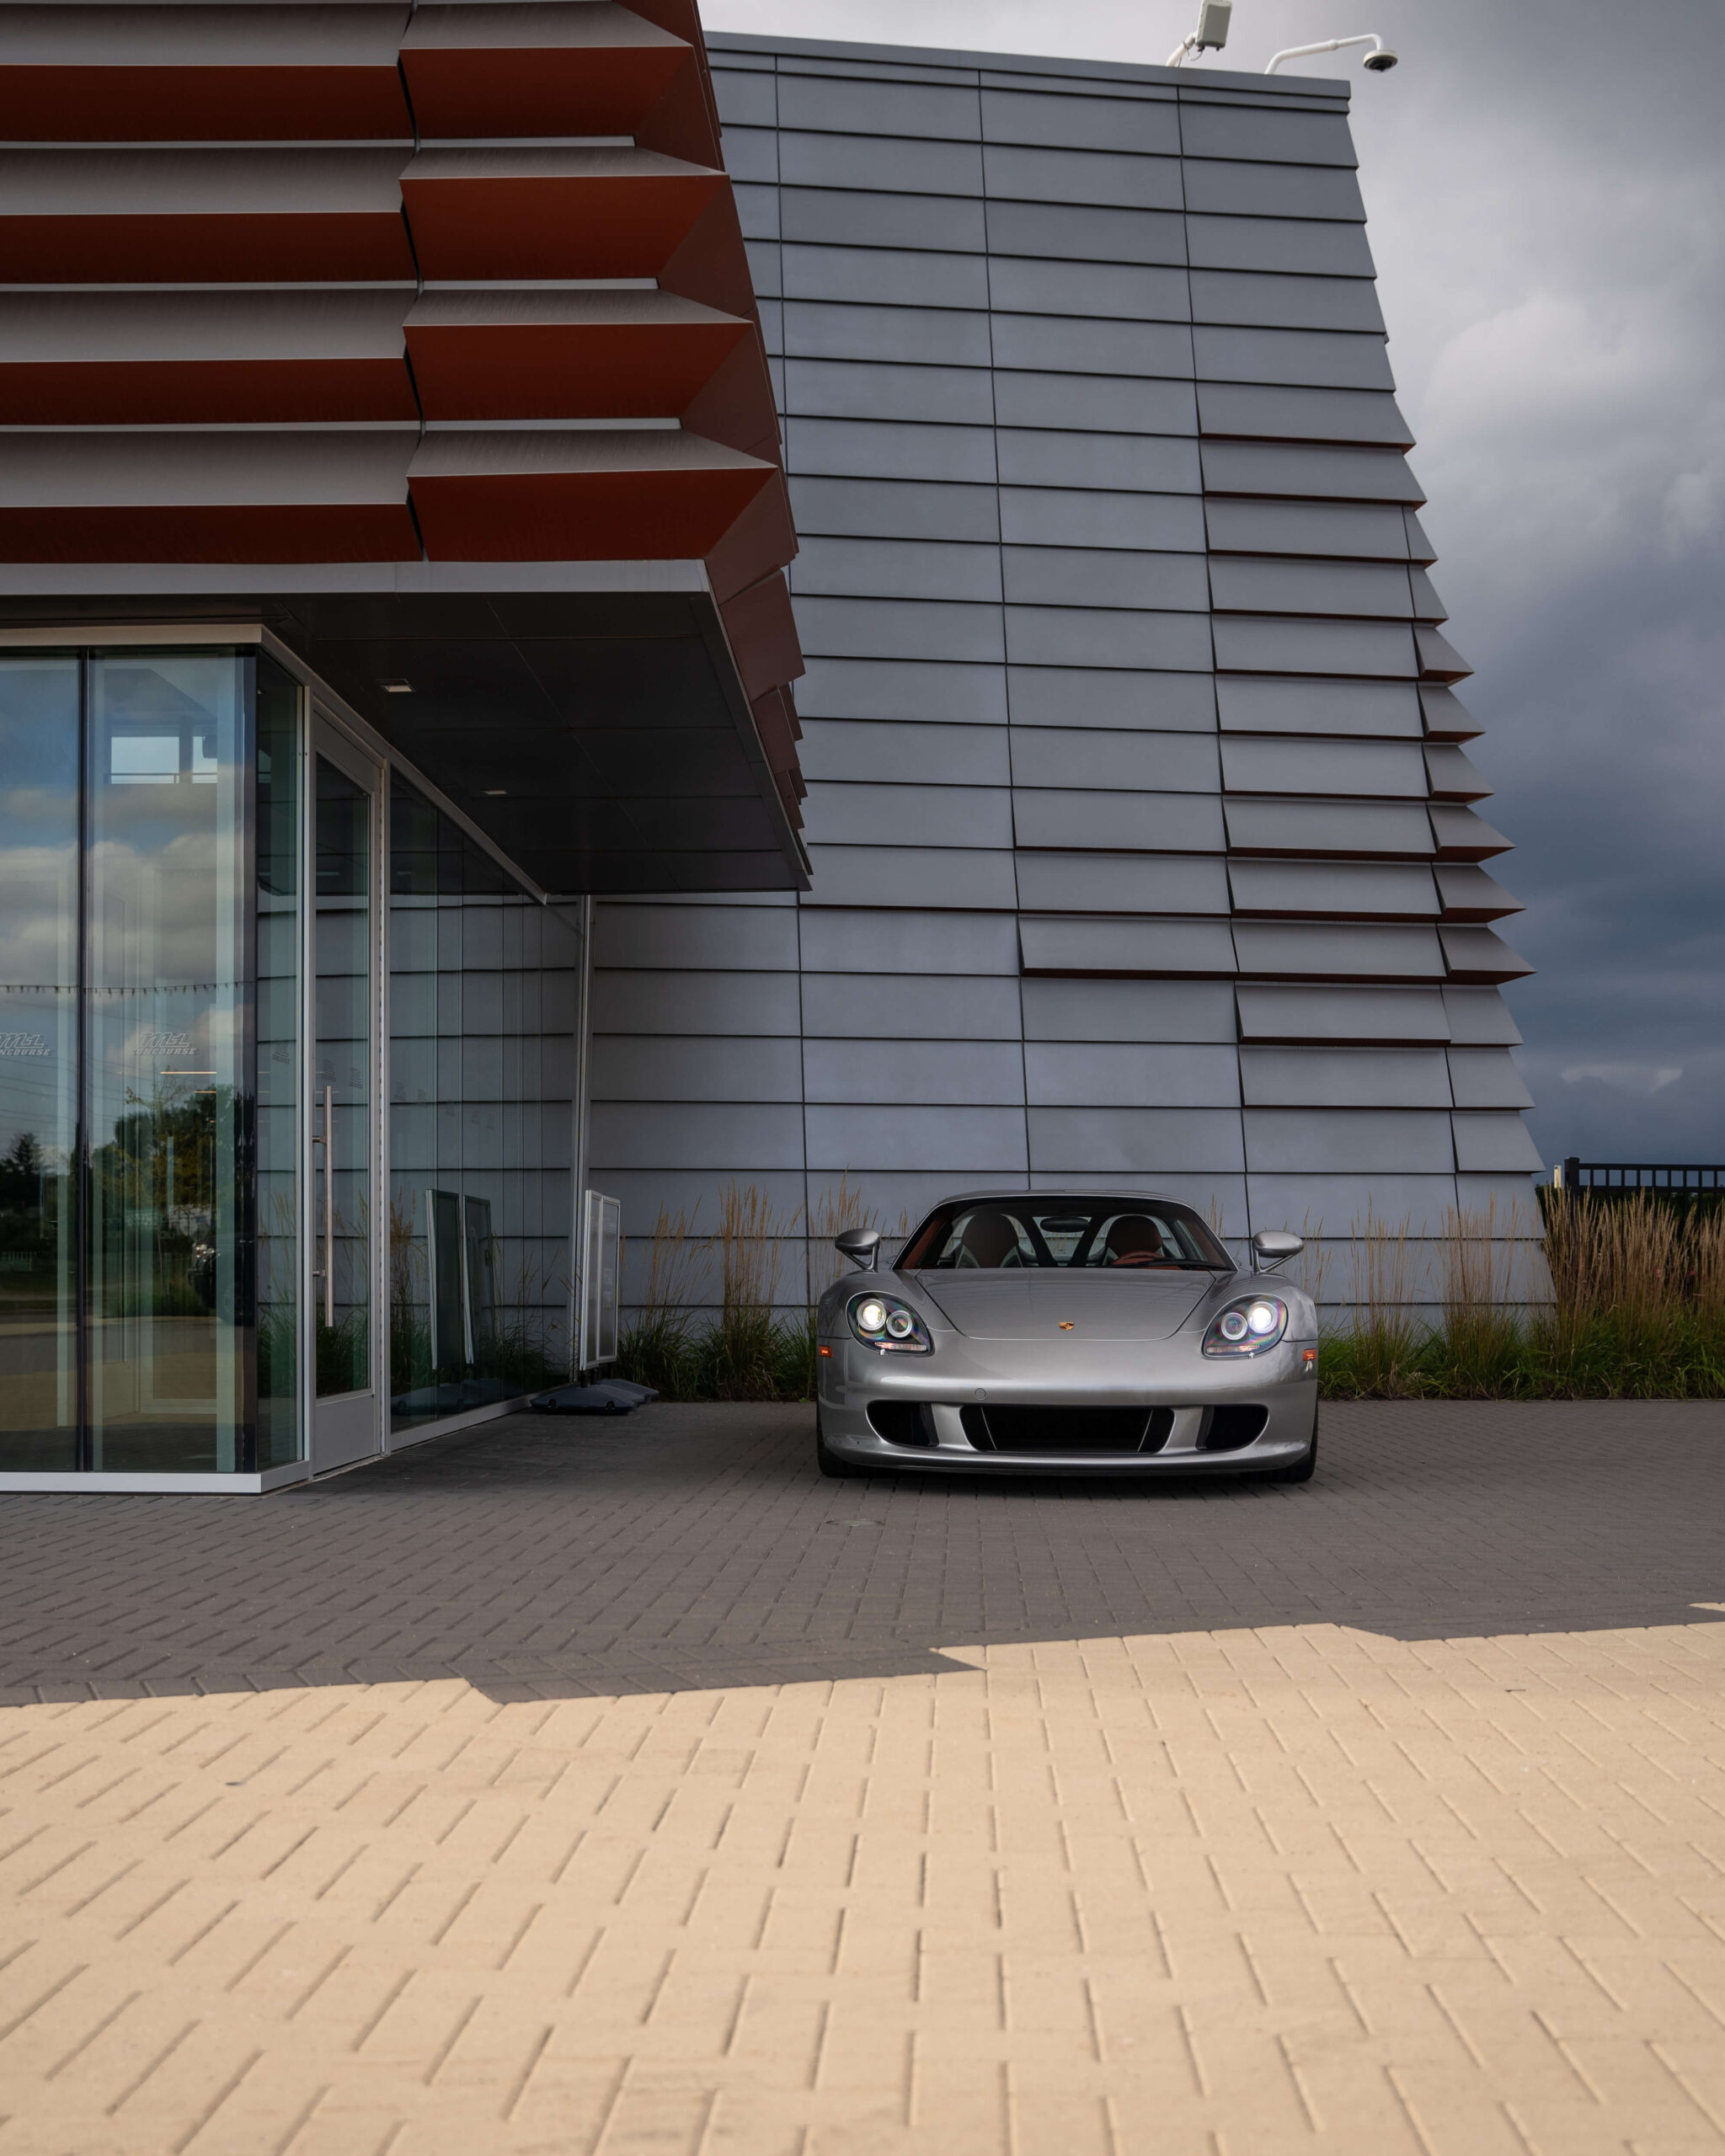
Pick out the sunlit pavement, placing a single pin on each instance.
(617, 1788)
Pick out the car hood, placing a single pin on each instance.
(1143, 1306)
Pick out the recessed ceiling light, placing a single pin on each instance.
(496, 792)
(398, 688)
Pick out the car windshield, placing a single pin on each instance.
(1008, 1234)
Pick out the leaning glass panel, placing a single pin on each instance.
(484, 989)
(39, 757)
(167, 1250)
(280, 929)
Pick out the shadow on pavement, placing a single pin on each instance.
(690, 1548)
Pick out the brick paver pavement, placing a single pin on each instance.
(629, 1790)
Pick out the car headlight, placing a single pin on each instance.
(1248, 1327)
(883, 1321)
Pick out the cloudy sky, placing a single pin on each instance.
(1547, 186)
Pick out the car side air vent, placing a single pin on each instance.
(904, 1422)
(1232, 1426)
(975, 1423)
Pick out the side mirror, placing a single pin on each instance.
(1271, 1248)
(862, 1245)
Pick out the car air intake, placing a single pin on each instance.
(1233, 1426)
(1068, 1429)
(903, 1422)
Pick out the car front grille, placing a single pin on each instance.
(1068, 1429)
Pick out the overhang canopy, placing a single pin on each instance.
(597, 737)
(589, 716)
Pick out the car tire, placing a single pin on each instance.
(830, 1462)
(1303, 1469)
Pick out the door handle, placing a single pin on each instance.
(326, 1271)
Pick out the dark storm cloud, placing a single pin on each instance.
(1546, 183)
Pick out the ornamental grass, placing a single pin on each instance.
(1631, 1307)
(759, 1343)
(1605, 1298)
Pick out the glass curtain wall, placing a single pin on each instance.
(484, 989)
(39, 1027)
(342, 1128)
(155, 1127)
(149, 916)
(168, 1305)
(280, 945)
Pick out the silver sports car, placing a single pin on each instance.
(1039, 1333)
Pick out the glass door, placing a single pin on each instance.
(343, 1103)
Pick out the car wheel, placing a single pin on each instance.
(830, 1462)
(1303, 1469)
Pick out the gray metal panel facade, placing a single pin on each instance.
(1122, 667)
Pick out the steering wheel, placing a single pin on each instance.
(1139, 1258)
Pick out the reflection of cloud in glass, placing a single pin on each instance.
(31, 814)
(38, 930)
(38, 933)
(169, 900)
(167, 897)
(154, 813)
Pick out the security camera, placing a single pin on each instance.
(1379, 60)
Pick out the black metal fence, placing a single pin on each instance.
(1624, 1177)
